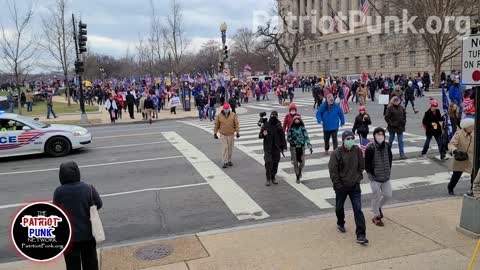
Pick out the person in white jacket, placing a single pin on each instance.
(111, 107)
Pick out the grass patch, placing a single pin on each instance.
(40, 108)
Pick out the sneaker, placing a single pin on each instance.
(225, 165)
(377, 221)
(451, 193)
(381, 212)
(341, 229)
(267, 183)
(362, 240)
(230, 164)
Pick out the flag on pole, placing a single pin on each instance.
(446, 118)
(364, 6)
(335, 22)
(364, 143)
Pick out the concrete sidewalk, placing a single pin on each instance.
(418, 236)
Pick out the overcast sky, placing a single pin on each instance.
(115, 25)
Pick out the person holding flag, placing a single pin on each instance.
(431, 124)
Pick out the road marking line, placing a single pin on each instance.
(120, 193)
(94, 165)
(258, 107)
(126, 145)
(236, 199)
(127, 135)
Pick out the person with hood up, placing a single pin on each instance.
(362, 121)
(346, 168)
(432, 123)
(227, 125)
(274, 143)
(378, 164)
(331, 116)
(396, 119)
(75, 198)
(298, 139)
(462, 147)
(288, 120)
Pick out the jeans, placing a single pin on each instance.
(200, 112)
(326, 137)
(391, 138)
(50, 111)
(411, 101)
(82, 255)
(212, 113)
(427, 144)
(355, 194)
(29, 106)
(11, 105)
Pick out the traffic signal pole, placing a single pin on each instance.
(79, 70)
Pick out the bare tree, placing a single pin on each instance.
(157, 40)
(145, 57)
(244, 41)
(438, 43)
(18, 48)
(58, 40)
(207, 58)
(175, 37)
(287, 42)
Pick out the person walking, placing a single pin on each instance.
(432, 123)
(331, 116)
(274, 143)
(233, 103)
(288, 120)
(75, 198)
(130, 100)
(396, 118)
(227, 125)
(462, 147)
(29, 100)
(173, 103)
(200, 103)
(362, 121)
(455, 95)
(410, 96)
(454, 118)
(298, 138)
(362, 94)
(346, 168)
(50, 106)
(149, 106)
(378, 165)
(10, 101)
(111, 107)
(212, 106)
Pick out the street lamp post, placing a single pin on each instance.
(223, 63)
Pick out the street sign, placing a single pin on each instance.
(226, 72)
(471, 60)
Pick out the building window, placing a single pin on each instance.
(413, 58)
(304, 51)
(336, 46)
(395, 60)
(337, 64)
(382, 38)
(326, 46)
(319, 66)
(369, 62)
(382, 60)
(312, 50)
(357, 64)
(312, 67)
(357, 42)
(346, 64)
(346, 44)
(319, 49)
(298, 67)
(304, 67)
(369, 41)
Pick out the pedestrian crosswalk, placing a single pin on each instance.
(316, 167)
(274, 104)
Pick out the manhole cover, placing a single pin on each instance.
(153, 253)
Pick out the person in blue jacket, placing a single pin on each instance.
(331, 116)
(455, 95)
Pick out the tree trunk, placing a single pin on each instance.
(67, 89)
(438, 71)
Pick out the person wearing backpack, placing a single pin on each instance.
(298, 139)
(346, 168)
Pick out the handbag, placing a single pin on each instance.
(97, 226)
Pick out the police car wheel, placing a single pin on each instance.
(58, 147)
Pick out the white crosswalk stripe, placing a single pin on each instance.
(250, 144)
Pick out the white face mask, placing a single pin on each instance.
(293, 112)
(380, 139)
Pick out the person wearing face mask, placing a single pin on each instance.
(346, 168)
(455, 95)
(362, 121)
(396, 118)
(274, 143)
(432, 123)
(287, 121)
(298, 139)
(378, 164)
(227, 125)
(331, 116)
(410, 96)
(462, 148)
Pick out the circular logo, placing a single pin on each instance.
(41, 232)
(476, 75)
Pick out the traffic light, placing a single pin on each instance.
(226, 53)
(82, 37)
(79, 67)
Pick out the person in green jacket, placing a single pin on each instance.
(298, 139)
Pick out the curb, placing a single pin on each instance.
(132, 122)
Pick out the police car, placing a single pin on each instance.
(21, 135)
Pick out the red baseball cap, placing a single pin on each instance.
(226, 106)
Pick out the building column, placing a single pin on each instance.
(317, 8)
(302, 8)
(309, 8)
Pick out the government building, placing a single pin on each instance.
(342, 54)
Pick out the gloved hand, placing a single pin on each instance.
(238, 135)
(215, 136)
(311, 151)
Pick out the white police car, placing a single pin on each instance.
(21, 135)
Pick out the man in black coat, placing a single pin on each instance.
(274, 143)
(432, 122)
(130, 100)
(76, 197)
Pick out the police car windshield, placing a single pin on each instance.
(31, 122)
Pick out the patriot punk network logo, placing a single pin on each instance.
(41, 232)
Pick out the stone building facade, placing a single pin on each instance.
(342, 54)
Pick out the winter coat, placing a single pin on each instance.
(297, 135)
(111, 104)
(432, 122)
(200, 101)
(330, 116)
(362, 92)
(396, 118)
(227, 125)
(378, 162)
(361, 123)
(462, 141)
(274, 141)
(130, 99)
(148, 104)
(455, 94)
(287, 121)
(409, 93)
(76, 197)
(346, 167)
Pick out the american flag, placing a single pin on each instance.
(335, 22)
(364, 5)
(364, 143)
(344, 100)
(446, 118)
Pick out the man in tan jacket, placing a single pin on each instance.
(29, 100)
(227, 125)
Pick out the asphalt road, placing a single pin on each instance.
(166, 179)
